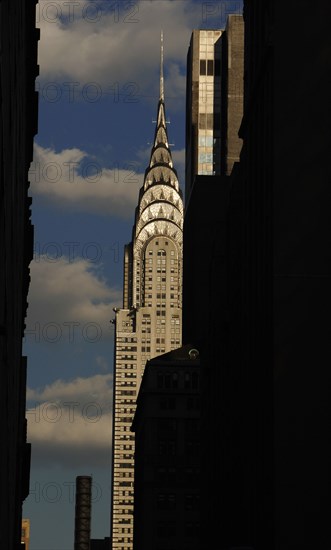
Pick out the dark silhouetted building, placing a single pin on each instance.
(265, 360)
(19, 108)
(100, 544)
(167, 453)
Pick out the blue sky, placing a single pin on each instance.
(98, 93)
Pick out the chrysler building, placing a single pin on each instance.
(150, 322)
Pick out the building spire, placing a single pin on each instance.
(161, 71)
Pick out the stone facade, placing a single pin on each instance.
(150, 321)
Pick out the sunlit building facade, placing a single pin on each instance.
(25, 535)
(214, 100)
(149, 324)
(203, 117)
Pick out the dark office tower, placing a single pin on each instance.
(18, 122)
(246, 380)
(279, 287)
(167, 457)
(301, 270)
(150, 321)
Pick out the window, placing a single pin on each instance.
(192, 502)
(192, 529)
(187, 381)
(195, 380)
(205, 157)
(210, 67)
(205, 141)
(166, 529)
(167, 447)
(160, 381)
(209, 121)
(166, 501)
(193, 403)
(167, 403)
(207, 67)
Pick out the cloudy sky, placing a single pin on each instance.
(98, 93)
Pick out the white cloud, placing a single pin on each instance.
(69, 178)
(94, 387)
(69, 422)
(117, 46)
(69, 301)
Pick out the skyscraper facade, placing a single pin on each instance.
(203, 146)
(150, 321)
(214, 100)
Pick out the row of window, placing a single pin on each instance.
(209, 121)
(168, 501)
(170, 380)
(127, 323)
(168, 447)
(161, 252)
(169, 403)
(172, 304)
(127, 384)
(126, 339)
(168, 528)
(210, 67)
(172, 475)
(123, 474)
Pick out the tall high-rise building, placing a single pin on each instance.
(18, 126)
(214, 100)
(150, 321)
(203, 87)
(214, 107)
(265, 391)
